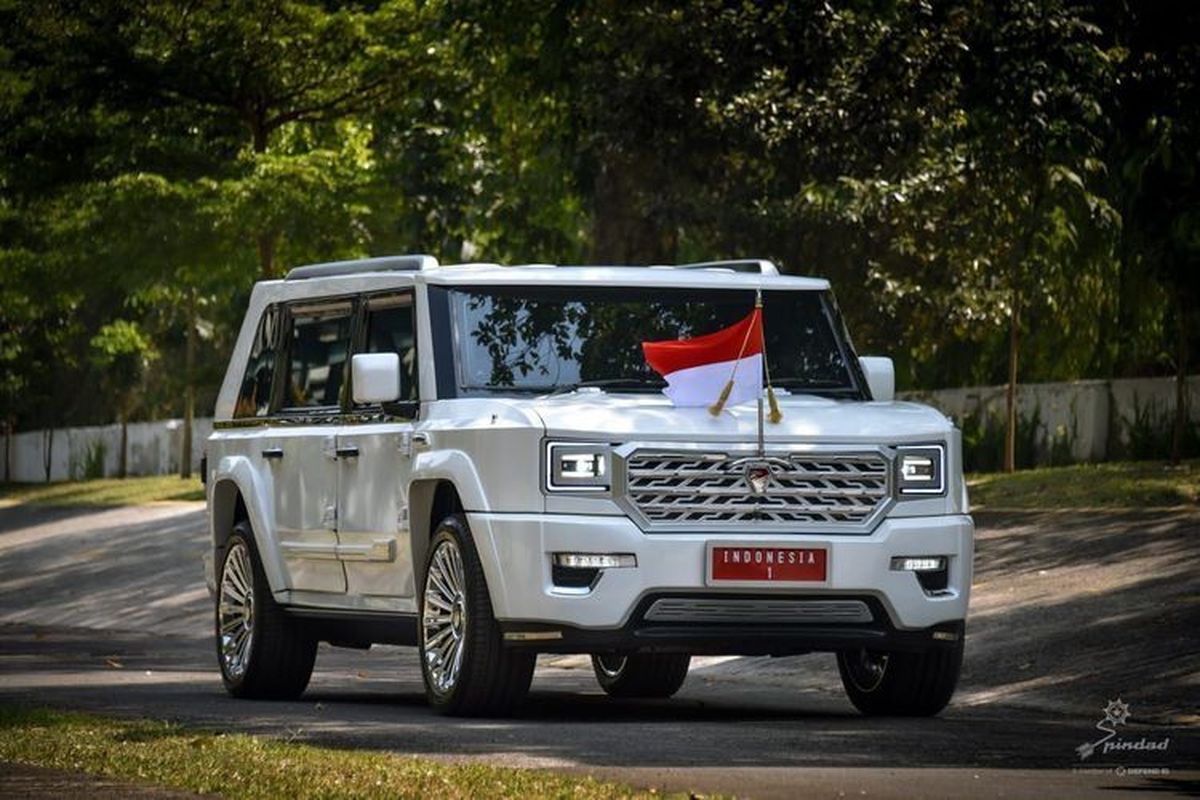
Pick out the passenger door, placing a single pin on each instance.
(302, 445)
(373, 530)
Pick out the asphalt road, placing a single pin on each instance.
(106, 611)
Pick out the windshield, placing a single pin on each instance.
(542, 339)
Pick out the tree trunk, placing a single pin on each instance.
(1010, 394)
(265, 241)
(623, 232)
(1181, 389)
(48, 450)
(123, 460)
(8, 432)
(1036, 179)
(189, 405)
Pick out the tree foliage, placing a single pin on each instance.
(998, 190)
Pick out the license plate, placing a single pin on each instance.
(768, 564)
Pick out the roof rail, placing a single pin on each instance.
(753, 265)
(408, 263)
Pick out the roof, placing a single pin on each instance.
(352, 275)
(550, 275)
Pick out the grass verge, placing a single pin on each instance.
(238, 765)
(1138, 484)
(104, 491)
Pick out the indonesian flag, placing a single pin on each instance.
(697, 370)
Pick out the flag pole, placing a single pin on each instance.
(762, 443)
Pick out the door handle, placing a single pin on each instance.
(346, 451)
(272, 452)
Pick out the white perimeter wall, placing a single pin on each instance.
(153, 448)
(1094, 417)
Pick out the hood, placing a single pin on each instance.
(629, 417)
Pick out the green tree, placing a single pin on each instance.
(1156, 169)
(273, 68)
(123, 354)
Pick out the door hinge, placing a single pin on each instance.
(329, 517)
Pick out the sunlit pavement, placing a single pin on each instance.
(105, 611)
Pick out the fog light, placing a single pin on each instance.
(919, 564)
(595, 560)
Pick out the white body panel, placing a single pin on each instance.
(305, 478)
(373, 532)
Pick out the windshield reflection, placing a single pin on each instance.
(538, 339)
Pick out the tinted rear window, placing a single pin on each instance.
(317, 354)
(254, 397)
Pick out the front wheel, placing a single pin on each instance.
(466, 668)
(642, 674)
(919, 684)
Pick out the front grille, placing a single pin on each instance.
(747, 611)
(805, 490)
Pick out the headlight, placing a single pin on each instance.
(578, 467)
(921, 470)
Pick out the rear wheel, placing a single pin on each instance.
(907, 684)
(466, 668)
(642, 674)
(262, 652)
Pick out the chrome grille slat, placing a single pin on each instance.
(839, 490)
(742, 610)
(684, 491)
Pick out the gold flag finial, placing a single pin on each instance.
(716, 408)
(776, 415)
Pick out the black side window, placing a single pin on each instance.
(317, 352)
(254, 397)
(390, 330)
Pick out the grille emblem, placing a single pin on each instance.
(758, 477)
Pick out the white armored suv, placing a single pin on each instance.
(480, 461)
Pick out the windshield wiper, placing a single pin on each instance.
(820, 388)
(608, 383)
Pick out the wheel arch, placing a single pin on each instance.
(430, 500)
(235, 497)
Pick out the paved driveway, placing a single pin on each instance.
(106, 610)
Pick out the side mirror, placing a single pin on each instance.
(881, 377)
(375, 377)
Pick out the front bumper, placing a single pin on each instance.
(516, 550)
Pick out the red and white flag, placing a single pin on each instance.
(698, 370)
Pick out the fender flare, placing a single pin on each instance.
(430, 470)
(258, 498)
(456, 467)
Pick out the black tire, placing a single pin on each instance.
(901, 684)
(491, 680)
(641, 674)
(278, 660)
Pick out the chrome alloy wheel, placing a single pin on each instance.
(866, 669)
(611, 665)
(235, 611)
(444, 618)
